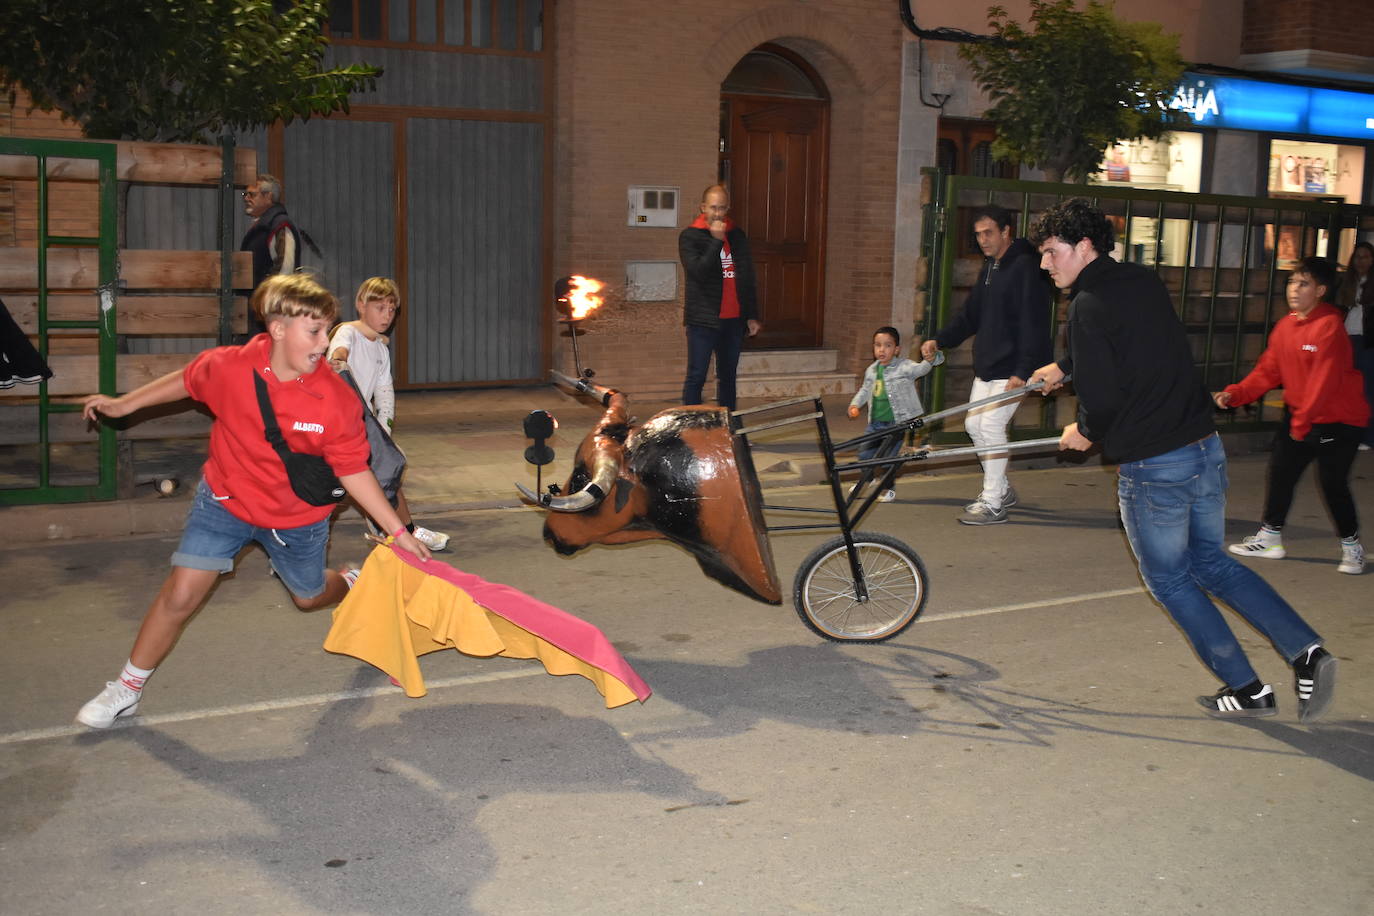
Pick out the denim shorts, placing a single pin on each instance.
(213, 538)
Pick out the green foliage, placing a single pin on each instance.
(1078, 81)
(174, 70)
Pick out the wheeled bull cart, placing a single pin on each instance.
(863, 586)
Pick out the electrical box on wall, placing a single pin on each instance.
(650, 281)
(653, 207)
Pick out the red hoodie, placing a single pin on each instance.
(318, 414)
(729, 299)
(1311, 360)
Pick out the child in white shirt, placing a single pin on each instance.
(362, 347)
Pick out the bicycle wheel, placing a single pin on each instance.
(824, 592)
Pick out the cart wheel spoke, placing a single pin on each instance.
(825, 593)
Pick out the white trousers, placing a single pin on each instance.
(988, 426)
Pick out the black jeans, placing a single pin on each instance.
(1333, 445)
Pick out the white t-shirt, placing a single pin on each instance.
(370, 362)
(1354, 319)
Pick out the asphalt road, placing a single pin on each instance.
(1029, 746)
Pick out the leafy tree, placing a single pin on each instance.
(174, 70)
(1078, 81)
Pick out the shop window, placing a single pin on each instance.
(1172, 162)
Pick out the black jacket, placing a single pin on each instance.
(1009, 311)
(1139, 393)
(699, 252)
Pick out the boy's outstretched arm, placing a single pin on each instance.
(171, 387)
(367, 493)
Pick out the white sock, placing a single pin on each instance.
(134, 677)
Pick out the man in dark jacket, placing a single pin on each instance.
(273, 240)
(720, 305)
(1142, 399)
(1009, 311)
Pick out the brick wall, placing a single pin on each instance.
(1341, 26)
(638, 103)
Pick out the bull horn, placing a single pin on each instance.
(587, 497)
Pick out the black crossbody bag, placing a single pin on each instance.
(311, 477)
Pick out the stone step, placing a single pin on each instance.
(781, 362)
(795, 385)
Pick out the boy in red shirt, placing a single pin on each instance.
(1310, 358)
(245, 494)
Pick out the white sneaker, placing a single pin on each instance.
(1352, 558)
(887, 496)
(1266, 544)
(434, 540)
(115, 701)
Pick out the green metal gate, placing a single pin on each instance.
(1224, 259)
(42, 470)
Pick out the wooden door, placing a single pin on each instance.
(776, 165)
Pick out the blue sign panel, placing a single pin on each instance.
(1281, 108)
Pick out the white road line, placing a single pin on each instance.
(320, 699)
(1029, 605)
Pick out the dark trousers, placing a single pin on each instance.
(1333, 446)
(1364, 361)
(725, 342)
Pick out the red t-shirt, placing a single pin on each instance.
(318, 414)
(1311, 359)
(729, 298)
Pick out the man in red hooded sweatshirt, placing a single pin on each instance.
(1310, 358)
(720, 305)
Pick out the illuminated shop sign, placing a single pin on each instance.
(1224, 101)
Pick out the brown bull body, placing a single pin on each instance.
(680, 476)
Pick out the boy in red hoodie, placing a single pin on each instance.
(1309, 357)
(245, 494)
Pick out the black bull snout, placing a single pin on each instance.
(683, 477)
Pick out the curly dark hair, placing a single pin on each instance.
(1071, 220)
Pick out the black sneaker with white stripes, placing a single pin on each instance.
(1315, 673)
(1253, 701)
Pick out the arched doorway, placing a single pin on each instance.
(774, 152)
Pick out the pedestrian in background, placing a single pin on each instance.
(1356, 299)
(721, 305)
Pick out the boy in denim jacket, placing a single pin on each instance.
(889, 390)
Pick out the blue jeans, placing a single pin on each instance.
(888, 446)
(1174, 509)
(213, 538)
(725, 342)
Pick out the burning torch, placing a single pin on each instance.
(575, 298)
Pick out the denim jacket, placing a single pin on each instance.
(900, 379)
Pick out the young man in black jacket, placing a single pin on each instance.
(721, 304)
(1142, 399)
(1009, 311)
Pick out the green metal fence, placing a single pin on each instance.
(1224, 259)
(41, 470)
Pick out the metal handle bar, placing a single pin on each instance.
(917, 422)
(1024, 445)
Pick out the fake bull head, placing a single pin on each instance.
(682, 476)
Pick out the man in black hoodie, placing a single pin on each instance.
(1009, 311)
(1141, 397)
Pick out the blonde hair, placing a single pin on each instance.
(378, 288)
(292, 296)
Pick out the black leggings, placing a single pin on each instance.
(1333, 445)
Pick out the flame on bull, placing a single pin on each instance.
(582, 297)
